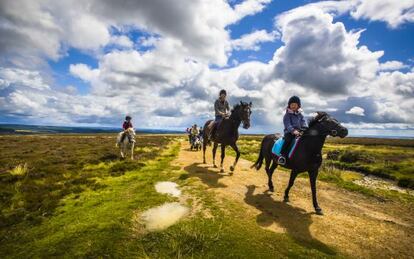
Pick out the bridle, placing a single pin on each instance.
(311, 132)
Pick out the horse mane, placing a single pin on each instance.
(320, 115)
(238, 105)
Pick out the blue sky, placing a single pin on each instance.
(165, 63)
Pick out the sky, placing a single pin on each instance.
(91, 62)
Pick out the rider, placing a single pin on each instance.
(194, 132)
(126, 125)
(200, 132)
(293, 121)
(222, 109)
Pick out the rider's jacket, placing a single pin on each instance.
(293, 120)
(220, 106)
(127, 125)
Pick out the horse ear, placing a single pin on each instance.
(250, 104)
(241, 102)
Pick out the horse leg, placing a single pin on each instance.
(214, 154)
(312, 178)
(270, 169)
(223, 154)
(236, 149)
(292, 178)
(121, 149)
(204, 152)
(132, 151)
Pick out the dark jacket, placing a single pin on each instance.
(293, 120)
(220, 106)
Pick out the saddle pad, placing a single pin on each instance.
(277, 147)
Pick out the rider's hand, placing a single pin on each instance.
(296, 133)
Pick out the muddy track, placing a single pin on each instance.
(353, 224)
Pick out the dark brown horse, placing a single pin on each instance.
(227, 133)
(307, 157)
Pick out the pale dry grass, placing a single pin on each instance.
(19, 170)
(163, 216)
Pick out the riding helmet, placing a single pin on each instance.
(223, 92)
(128, 118)
(294, 99)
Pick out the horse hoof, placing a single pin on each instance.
(286, 199)
(319, 211)
(232, 168)
(271, 190)
(221, 170)
(214, 166)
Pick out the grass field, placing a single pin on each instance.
(70, 196)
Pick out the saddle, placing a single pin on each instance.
(277, 147)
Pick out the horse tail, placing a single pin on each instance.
(206, 139)
(258, 164)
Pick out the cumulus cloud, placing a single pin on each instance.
(14, 76)
(84, 72)
(252, 40)
(170, 76)
(356, 111)
(320, 53)
(394, 13)
(392, 65)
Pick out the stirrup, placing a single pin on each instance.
(281, 160)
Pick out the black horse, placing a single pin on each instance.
(307, 155)
(227, 133)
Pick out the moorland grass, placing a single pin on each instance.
(101, 222)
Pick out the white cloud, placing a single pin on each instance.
(172, 83)
(252, 40)
(84, 72)
(122, 41)
(392, 65)
(356, 111)
(394, 13)
(321, 54)
(32, 79)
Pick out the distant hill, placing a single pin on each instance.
(37, 129)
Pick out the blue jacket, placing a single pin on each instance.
(293, 120)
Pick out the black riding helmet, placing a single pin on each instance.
(294, 99)
(128, 118)
(222, 92)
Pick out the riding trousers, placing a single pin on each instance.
(289, 137)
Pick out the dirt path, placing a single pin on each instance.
(353, 224)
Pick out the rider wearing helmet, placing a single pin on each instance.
(294, 121)
(221, 109)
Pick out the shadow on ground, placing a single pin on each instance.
(294, 220)
(208, 175)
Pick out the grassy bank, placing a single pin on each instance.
(89, 206)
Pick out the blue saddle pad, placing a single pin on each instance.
(277, 147)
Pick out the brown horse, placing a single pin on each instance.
(227, 133)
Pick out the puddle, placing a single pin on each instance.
(163, 216)
(375, 182)
(168, 188)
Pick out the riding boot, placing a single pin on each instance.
(285, 148)
(122, 137)
(212, 131)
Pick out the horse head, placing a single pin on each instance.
(131, 131)
(324, 124)
(243, 112)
